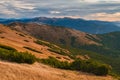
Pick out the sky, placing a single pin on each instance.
(105, 10)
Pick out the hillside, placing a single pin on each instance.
(13, 71)
(37, 71)
(24, 42)
(54, 34)
(104, 47)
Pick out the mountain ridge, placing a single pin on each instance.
(89, 26)
(47, 32)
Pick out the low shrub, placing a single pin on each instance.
(32, 49)
(56, 63)
(79, 65)
(43, 43)
(22, 35)
(26, 40)
(52, 47)
(91, 67)
(7, 47)
(19, 57)
(57, 51)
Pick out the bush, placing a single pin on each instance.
(26, 40)
(102, 70)
(31, 49)
(52, 47)
(77, 64)
(57, 51)
(22, 35)
(40, 42)
(7, 47)
(56, 63)
(19, 57)
(91, 67)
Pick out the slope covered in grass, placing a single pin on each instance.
(13, 71)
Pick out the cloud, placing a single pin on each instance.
(7, 12)
(23, 5)
(105, 16)
(75, 17)
(56, 8)
(55, 12)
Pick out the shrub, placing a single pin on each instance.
(102, 70)
(32, 49)
(19, 57)
(79, 65)
(1, 32)
(57, 51)
(7, 47)
(91, 67)
(22, 35)
(52, 47)
(56, 63)
(26, 40)
(2, 37)
(43, 43)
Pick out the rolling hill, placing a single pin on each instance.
(22, 42)
(54, 34)
(102, 47)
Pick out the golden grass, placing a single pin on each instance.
(13, 71)
(13, 39)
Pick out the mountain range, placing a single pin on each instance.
(89, 26)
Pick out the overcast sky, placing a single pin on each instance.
(108, 10)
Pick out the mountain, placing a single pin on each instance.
(117, 23)
(24, 42)
(102, 47)
(13, 47)
(54, 34)
(89, 26)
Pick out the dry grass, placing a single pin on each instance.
(14, 39)
(13, 71)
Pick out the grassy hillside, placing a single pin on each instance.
(38, 71)
(53, 34)
(14, 56)
(14, 44)
(104, 48)
(24, 42)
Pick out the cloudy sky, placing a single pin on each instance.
(107, 10)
